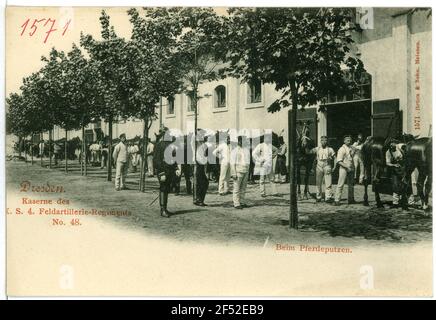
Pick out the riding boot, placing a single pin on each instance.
(188, 186)
(166, 203)
(163, 204)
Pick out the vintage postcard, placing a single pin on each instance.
(209, 151)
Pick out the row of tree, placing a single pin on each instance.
(303, 52)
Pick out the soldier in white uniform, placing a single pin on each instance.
(240, 163)
(263, 156)
(346, 171)
(324, 164)
(120, 157)
(223, 153)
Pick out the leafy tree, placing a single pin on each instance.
(82, 98)
(109, 58)
(153, 51)
(304, 52)
(198, 33)
(29, 111)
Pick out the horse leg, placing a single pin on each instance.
(306, 182)
(428, 190)
(365, 195)
(298, 182)
(420, 187)
(365, 185)
(376, 183)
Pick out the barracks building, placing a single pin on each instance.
(395, 95)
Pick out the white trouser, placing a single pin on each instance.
(120, 175)
(150, 165)
(358, 165)
(348, 177)
(262, 182)
(323, 174)
(239, 188)
(223, 186)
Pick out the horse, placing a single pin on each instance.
(373, 155)
(304, 159)
(418, 155)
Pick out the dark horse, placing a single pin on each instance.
(305, 159)
(417, 155)
(373, 154)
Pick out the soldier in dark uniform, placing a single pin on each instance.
(202, 181)
(185, 168)
(167, 170)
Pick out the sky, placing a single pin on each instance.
(24, 51)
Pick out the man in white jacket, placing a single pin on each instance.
(223, 153)
(240, 163)
(120, 158)
(263, 156)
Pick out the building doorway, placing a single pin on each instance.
(348, 118)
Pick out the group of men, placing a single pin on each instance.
(127, 155)
(235, 159)
(348, 160)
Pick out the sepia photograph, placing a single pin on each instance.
(218, 151)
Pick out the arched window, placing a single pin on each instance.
(170, 107)
(220, 96)
(254, 91)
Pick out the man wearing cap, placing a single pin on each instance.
(263, 156)
(166, 168)
(239, 165)
(324, 165)
(223, 153)
(120, 159)
(201, 182)
(346, 171)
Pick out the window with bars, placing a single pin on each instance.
(363, 91)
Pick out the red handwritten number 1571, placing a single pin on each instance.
(46, 24)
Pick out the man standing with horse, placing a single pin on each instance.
(346, 171)
(395, 164)
(324, 164)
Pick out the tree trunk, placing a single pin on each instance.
(41, 153)
(66, 150)
(109, 157)
(144, 164)
(160, 113)
(194, 184)
(83, 165)
(31, 150)
(24, 149)
(49, 148)
(293, 212)
(19, 146)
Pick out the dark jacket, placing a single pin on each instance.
(159, 162)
